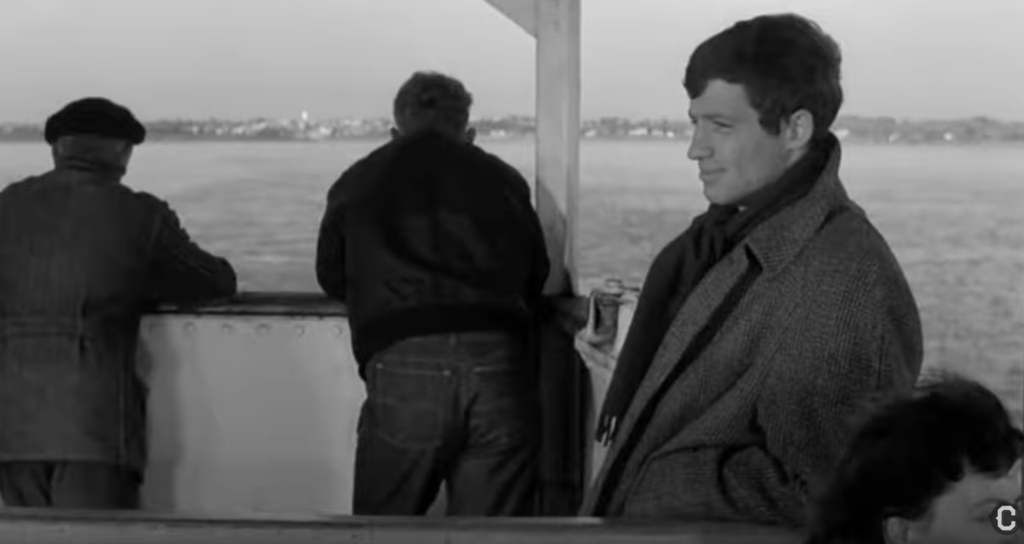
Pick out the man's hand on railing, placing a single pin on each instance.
(596, 359)
(596, 341)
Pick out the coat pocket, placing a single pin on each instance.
(57, 396)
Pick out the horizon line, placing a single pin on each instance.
(533, 116)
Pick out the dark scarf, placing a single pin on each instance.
(681, 265)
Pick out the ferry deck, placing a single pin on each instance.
(253, 403)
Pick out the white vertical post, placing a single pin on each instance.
(558, 133)
(556, 26)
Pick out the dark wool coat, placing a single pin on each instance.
(81, 257)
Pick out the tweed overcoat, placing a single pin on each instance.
(739, 431)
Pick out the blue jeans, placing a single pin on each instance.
(459, 408)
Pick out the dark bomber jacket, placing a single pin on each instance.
(428, 235)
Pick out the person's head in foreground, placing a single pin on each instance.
(435, 102)
(927, 467)
(762, 93)
(94, 130)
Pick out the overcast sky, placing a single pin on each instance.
(247, 58)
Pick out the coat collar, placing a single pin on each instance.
(778, 240)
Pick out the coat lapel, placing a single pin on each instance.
(709, 294)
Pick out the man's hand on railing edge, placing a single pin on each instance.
(596, 359)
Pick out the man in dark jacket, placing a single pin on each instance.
(81, 258)
(439, 255)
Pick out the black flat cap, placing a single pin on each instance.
(95, 117)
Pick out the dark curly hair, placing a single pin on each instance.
(430, 100)
(784, 62)
(908, 452)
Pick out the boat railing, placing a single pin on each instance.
(103, 528)
(253, 405)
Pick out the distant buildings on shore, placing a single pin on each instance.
(879, 130)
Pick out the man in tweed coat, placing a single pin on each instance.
(763, 326)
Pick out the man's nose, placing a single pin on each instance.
(699, 148)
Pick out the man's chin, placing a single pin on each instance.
(715, 198)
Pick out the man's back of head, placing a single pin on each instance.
(433, 101)
(925, 467)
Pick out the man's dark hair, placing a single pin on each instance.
(908, 452)
(784, 62)
(430, 100)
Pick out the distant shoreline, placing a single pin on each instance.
(151, 140)
(852, 129)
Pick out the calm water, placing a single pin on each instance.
(954, 217)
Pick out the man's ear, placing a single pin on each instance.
(395, 133)
(470, 135)
(798, 130)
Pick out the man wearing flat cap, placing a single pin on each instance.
(82, 256)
